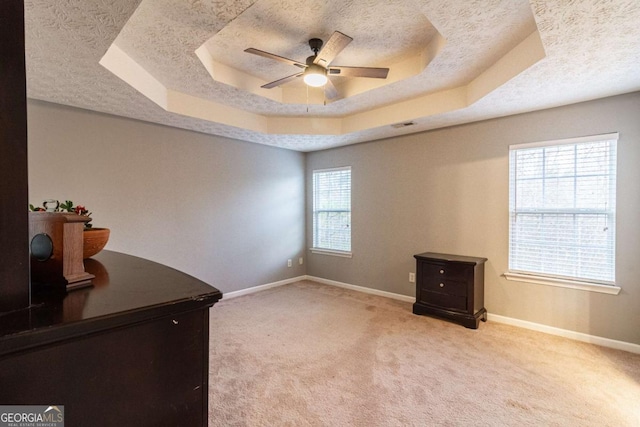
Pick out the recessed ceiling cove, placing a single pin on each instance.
(403, 44)
(429, 73)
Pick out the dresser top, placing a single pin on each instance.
(126, 289)
(433, 256)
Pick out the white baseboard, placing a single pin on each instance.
(229, 295)
(362, 289)
(578, 336)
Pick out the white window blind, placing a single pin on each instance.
(562, 205)
(332, 209)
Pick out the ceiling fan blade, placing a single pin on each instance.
(332, 48)
(330, 90)
(376, 73)
(276, 57)
(281, 81)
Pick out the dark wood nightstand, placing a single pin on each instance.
(450, 286)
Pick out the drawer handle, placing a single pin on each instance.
(441, 271)
(442, 285)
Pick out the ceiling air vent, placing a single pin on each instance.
(403, 125)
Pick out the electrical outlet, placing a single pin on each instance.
(300, 260)
(412, 277)
(289, 264)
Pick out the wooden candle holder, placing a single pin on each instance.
(55, 242)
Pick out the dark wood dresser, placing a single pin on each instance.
(133, 350)
(451, 287)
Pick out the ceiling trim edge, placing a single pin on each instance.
(524, 55)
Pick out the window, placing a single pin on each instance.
(562, 206)
(332, 211)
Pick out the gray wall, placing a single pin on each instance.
(231, 213)
(447, 191)
(227, 212)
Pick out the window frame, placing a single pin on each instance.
(314, 212)
(551, 279)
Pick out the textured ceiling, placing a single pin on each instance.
(182, 62)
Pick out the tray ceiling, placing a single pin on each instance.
(182, 63)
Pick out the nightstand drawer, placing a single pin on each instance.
(448, 271)
(443, 286)
(451, 302)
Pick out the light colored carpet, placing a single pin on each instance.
(307, 354)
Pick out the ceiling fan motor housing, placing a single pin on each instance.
(315, 45)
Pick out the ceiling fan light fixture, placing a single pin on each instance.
(315, 76)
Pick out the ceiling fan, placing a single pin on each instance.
(318, 66)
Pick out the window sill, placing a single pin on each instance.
(320, 251)
(563, 283)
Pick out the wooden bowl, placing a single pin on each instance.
(94, 241)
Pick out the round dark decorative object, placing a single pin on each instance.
(41, 247)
